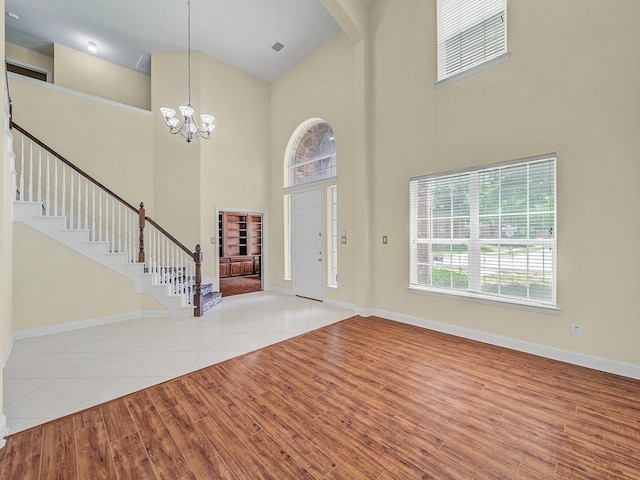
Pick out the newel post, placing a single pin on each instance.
(197, 305)
(141, 239)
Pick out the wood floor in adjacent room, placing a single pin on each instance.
(365, 398)
(239, 285)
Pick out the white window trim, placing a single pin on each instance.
(473, 70)
(292, 147)
(325, 182)
(484, 299)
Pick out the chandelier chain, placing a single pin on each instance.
(189, 47)
(187, 128)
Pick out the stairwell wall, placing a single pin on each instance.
(54, 284)
(29, 58)
(109, 141)
(130, 151)
(87, 73)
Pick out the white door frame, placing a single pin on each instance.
(263, 255)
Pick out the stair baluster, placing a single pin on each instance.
(107, 218)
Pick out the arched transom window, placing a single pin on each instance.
(313, 156)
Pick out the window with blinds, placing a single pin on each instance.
(488, 232)
(470, 32)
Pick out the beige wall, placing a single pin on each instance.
(112, 143)
(234, 170)
(41, 299)
(30, 58)
(109, 142)
(176, 162)
(85, 73)
(321, 86)
(228, 171)
(564, 90)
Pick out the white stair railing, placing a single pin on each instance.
(63, 190)
(170, 262)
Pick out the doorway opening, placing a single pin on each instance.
(240, 252)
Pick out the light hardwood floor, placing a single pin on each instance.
(365, 398)
(230, 286)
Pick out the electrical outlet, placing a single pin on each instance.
(576, 330)
(77, 305)
(400, 299)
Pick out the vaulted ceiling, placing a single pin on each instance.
(126, 32)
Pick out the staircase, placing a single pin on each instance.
(58, 199)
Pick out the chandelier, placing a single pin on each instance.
(188, 128)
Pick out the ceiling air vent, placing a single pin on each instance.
(144, 64)
(277, 46)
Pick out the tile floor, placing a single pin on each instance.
(54, 375)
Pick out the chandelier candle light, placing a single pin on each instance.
(187, 128)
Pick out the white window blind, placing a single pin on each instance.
(487, 232)
(470, 32)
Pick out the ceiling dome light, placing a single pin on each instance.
(93, 48)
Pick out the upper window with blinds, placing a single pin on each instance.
(488, 233)
(470, 33)
(313, 156)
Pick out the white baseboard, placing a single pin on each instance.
(341, 304)
(155, 314)
(4, 430)
(609, 365)
(7, 350)
(336, 303)
(283, 291)
(68, 326)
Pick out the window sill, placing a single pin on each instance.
(473, 70)
(334, 287)
(498, 302)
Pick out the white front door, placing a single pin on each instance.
(308, 242)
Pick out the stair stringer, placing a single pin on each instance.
(30, 213)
